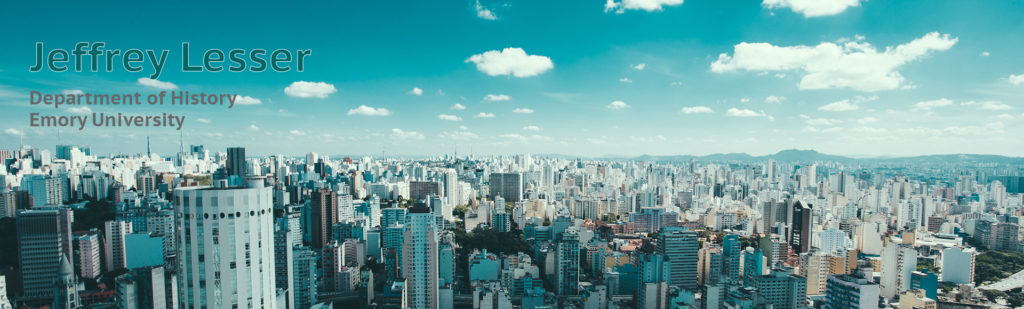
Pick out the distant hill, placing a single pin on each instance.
(796, 155)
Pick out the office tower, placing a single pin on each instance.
(731, 258)
(284, 264)
(898, 263)
(783, 289)
(850, 292)
(323, 215)
(346, 209)
(114, 249)
(680, 246)
(225, 245)
(958, 265)
(832, 240)
(141, 288)
(753, 265)
(419, 259)
(709, 265)
(419, 190)
(65, 287)
(292, 223)
(800, 231)
(506, 185)
(567, 262)
(145, 180)
(89, 265)
(304, 277)
(235, 165)
(44, 235)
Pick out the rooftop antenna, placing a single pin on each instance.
(148, 152)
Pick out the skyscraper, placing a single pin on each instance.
(225, 245)
(419, 259)
(323, 213)
(89, 255)
(114, 249)
(506, 185)
(235, 164)
(44, 235)
(681, 247)
(800, 232)
(731, 253)
(567, 262)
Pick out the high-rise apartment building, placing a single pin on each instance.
(114, 251)
(225, 245)
(419, 259)
(323, 216)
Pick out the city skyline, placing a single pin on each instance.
(594, 79)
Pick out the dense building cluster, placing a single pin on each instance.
(235, 230)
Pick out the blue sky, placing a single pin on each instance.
(590, 78)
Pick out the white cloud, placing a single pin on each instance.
(676, 83)
(297, 133)
(812, 8)
(497, 97)
(152, 83)
(843, 105)
(867, 120)
(849, 64)
(246, 100)
(985, 54)
(1016, 79)
(928, 105)
(774, 99)
(369, 111)
(736, 112)
(463, 128)
(744, 100)
(459, 135)
(458, 106)
(646, 5)
(531, 128)
(80, 110)
(823, 122)
(597, 141)
(483, 12)
(416, 91)
(696, 110)
(511, 61)
(253, 127)
(639, 67)
(515, 137)
(304, 89)
(484, 115)
(72, 92)
(625, 80)
(1005, 116)
(449, 117)
(617, 105)
(403, 135)
(994, 106)
(523, 111)
(203, 120)
(13, 131)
